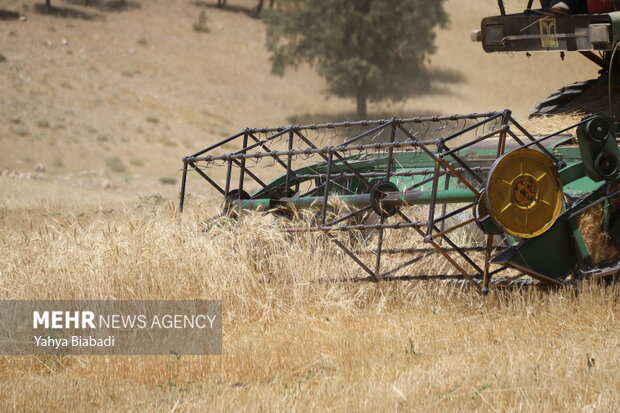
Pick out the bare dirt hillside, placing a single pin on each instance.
(113, 97)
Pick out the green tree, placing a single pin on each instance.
(365, 49)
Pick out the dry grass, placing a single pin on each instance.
(549, 124)
(599, 242)
(293, 339)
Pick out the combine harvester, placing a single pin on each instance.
(498, 204)
(594, 32)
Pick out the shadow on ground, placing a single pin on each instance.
(312, 118)
(248, 11)
(66, 12)
(8, 15)
(439, 82)
(112, 6)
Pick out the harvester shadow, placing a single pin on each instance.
(453, 280)
(66, 12)
(8, 15)
(113, 6)
(250, 12)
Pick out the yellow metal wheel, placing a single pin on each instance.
(524, 193)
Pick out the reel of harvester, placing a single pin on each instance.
(495, 203)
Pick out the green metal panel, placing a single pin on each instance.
(615, 26)
(558, 252)
(549, 254)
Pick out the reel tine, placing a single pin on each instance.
(438, 129)
(428, 127)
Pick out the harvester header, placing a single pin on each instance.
(497, 203)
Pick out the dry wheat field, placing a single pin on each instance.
(294, 337)
(94, 117)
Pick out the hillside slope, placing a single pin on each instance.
(114, 98)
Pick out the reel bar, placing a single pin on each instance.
(348, 124)
(380, 174)
(392, 199)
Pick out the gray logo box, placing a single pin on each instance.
(110, 327)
